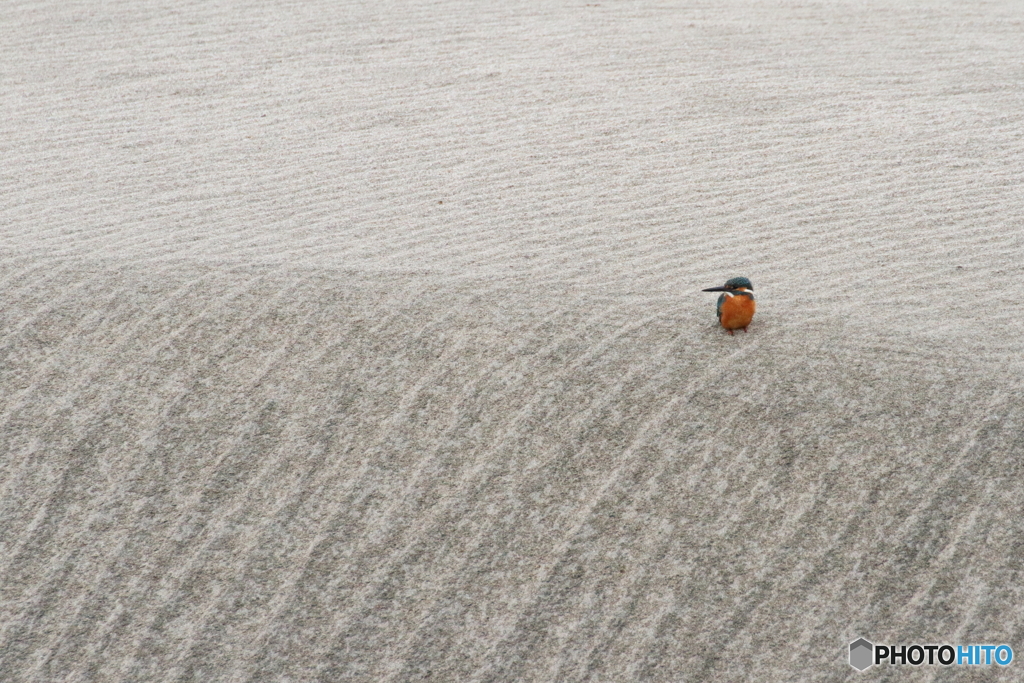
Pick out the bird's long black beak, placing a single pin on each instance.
(716, 289)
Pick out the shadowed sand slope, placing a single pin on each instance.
(346, 343)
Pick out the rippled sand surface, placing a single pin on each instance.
(365, 341)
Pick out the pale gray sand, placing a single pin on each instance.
(367, 343)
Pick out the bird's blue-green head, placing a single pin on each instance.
(740, 283)
(733, 284)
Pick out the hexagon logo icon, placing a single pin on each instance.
(861, 654)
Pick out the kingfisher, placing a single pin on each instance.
(736, 304)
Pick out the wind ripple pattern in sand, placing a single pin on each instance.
(390, 473)
(467, 154)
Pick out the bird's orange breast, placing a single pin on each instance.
(737, 312)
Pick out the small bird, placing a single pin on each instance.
(736, 305)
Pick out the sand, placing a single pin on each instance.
(365, 341)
